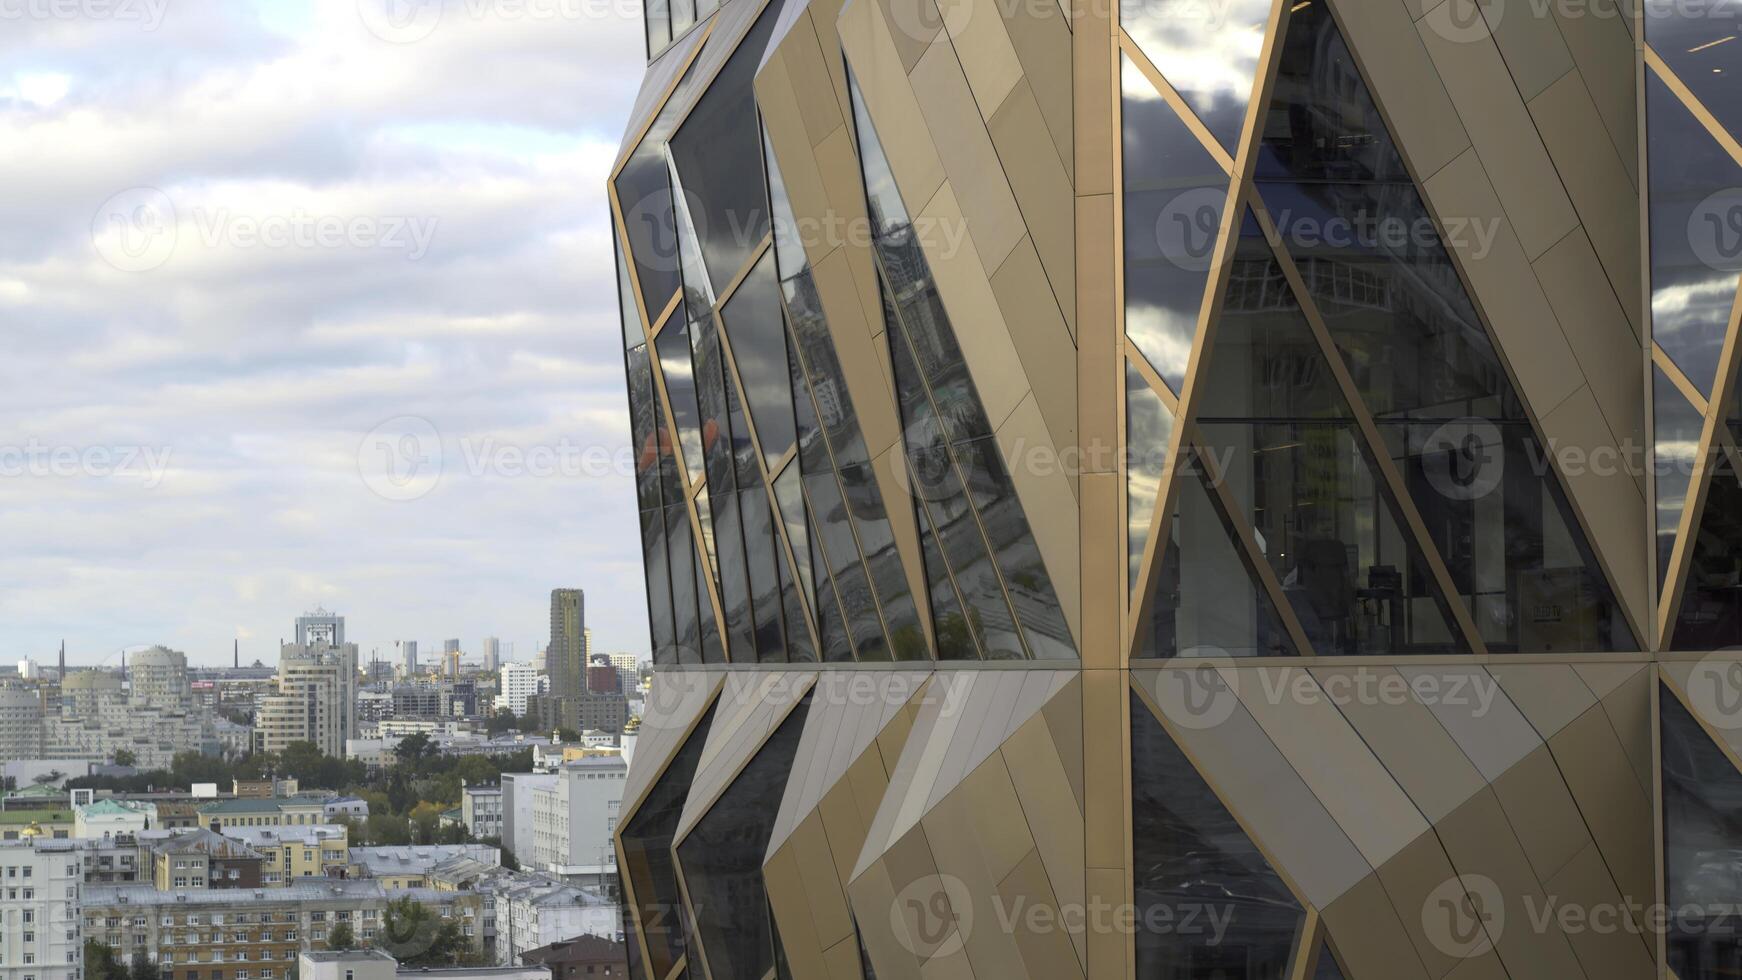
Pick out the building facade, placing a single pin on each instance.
(39, 899)
(158, 678)
(1326, 413)
(20, 723)
(519, 682)
(481, 810)
(316, 700)
(565, 659)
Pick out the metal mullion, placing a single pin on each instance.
(1209, 311)
(1692, 103)
(828, 572)
(955, 461)
(1156, 384)
(1675, 580)
(1369, 429)
(950, 578)
(1663, 362)
(1248, 544)
(653, 114)
(1171, 96)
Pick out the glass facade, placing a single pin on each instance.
(651, 874)
(1702, 847)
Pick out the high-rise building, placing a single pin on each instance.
(519, 682)
(566, 660)
(20, 723)
(492, 654)
(408, 653)
(159, 678)
(1325, 415)
(316, 700)
(628, 670)
(320, 627)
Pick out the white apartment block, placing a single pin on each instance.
(537, 910)
(519, 682)
(574, 815)
(481, 810)
(153, 734)
(20, 723)
(40, 888)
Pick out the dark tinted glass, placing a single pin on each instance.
(1007, 532)
(1677, 426)
(722, 859)
(680, 386)
(713, 651)
(799, 648)
(643, 428)
(757, 331)
(628, 312)
(1321, 123)
(831, 619)
(1209, 54)
(644, 193)
(718, 153)
(1702, 846)
(882, 561)
(789, 499)
(659, 608)
(716, 425)
(760, 548)
(1701, 43)
(1327, 968)
(685, 616)
(1421, 360)
(1696, 233)
(1148, 427)
(734, 579)
(1711, 611)
(1284, 439)
(1174, 196)
(647, 854)
(1190, 856)
(1207, 600)
(864, 625)
(955, 637)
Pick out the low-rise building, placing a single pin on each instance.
(410, 866)
(42, 881)
(108, 818)
(292, 854)
(289, 811)
(29, 824)
(481, 810)
(203, 859)
(375, 965)
(582, 958)
(534, 910)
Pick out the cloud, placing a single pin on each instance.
(295, 151)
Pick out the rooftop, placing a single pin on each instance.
(304, 890)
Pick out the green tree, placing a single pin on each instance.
(341, 937)
(101, 964)
(144, 969)
(414, 748)
(502, 721)
(125, 758)
(386, 829)
(415, 936)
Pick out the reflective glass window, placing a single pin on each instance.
(646, 840)
(722, 859)
(789, 499)
(1696, 234)
(734, 580)
(644, 430)
(658, 575)
(1148, 428)
(683, 16)
(864, 625)
(680, 386)
(1710, 617)
(760, 548)
(1702, 44)
(757, 331)
(686, 621)
(1007, 532)
(1208, 53)
(657, 19)
(1321, 123)
(713, 652)
(1174, 196)
(717, 438)
(718, 152)
(628, 312)
(1702, 847)
(799, 648)
(1190, 854)
(1677, 442)
(1327, 968)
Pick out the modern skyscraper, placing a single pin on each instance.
(492, 654)
(408, 653)
(316, 700)
(320, 627)
(566, 660)
(1325, 413)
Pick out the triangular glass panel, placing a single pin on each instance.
(1297, 462)
(685, 619)
(673, 344)
(1710, 616)
(1174, 196)
(1700, 44)
(1702, 844)
(1148, 429)
(1207, 600)
(1420, 357)
(1209, 54)
(1321, 123)
(648, 865)
(1677, 426)
(1327, 968)
(1696, 242)
(756, 328)
(1190, 854)
(722, 856)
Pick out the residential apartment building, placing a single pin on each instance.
(41, 885)
(519, 682)
(20, 723)
(281, 811)
(203, 859)
(227, 934)
(158, 678)
(537, 910)
(295, 853)
(566, 657)
(481, 810)
(316, 700)
(574, 815)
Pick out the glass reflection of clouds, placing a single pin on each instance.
(1702, 44)
(1148, 426)
(1207, 50)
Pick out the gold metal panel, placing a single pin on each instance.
(1599, 183)
(1092, 73)
(1484, 967)
(1370, 935)
(790, 903)
(1104, 772)
(842, 960)
(984, 50)
(1604, 678)
(1051, 809)
(971, 164)
(1103, 589)
(1541, 810)
(674, 706)
(1403, 82)
(1046, 948)
(1532, 47)
(1042, 40)
(839, 812)
(1043, 191)
(1550, 695)
(1331, 758)
(915, 27)
(1480, 842)
(1608, 501)
(1100, 363)
(849, 328)
(872, 894)
(1612, 948)
(1477, 714)
(1407, 739)
(827, 911)
(1109, 955)
(1628, 708)
(1031, 313)
(1603, 784)
(808, 71)
(1410, 880)
(872, 55)
(1607, 349)
(978, 836)
(1064, 718)
(1603, 49)
(1048, 501)
(966, 288)
(1500, 128)
(800, 163)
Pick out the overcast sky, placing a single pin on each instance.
(293, 311)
